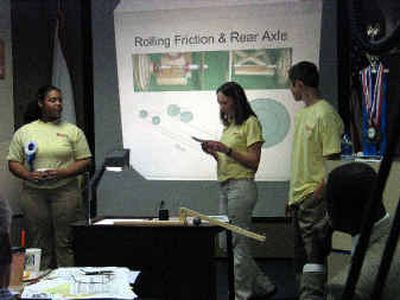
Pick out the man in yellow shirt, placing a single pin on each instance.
(317, 135)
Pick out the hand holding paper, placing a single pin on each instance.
(205, 145)
(216, 146)
(211, 146)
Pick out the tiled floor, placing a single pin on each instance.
(279, 270)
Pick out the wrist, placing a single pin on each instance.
(63, 173)
(27, 176)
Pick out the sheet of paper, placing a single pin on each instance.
(113, 221)
(198, 139)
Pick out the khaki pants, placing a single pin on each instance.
(304, 216)
(48, 214)
(237, 200)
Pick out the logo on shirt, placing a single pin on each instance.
(61, 135)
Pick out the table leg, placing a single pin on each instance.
(231, 275)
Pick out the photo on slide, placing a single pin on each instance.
(191, 71)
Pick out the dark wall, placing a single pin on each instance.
(107, 119)
(33, 24)
(32, 54)
(352, 58)
(328, 52)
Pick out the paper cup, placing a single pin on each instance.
(32, 260)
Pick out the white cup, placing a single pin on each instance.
(32, 260)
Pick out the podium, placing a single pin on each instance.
(176, 261)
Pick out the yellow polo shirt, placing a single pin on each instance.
(238, 137)
(59, 144)
(317, 134)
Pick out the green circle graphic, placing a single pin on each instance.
(173, 110)
(274, 119)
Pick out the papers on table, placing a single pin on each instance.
(113, 221)
(84, 283)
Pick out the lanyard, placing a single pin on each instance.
(373, 93)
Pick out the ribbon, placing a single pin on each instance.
(30, 153)
(373, 93)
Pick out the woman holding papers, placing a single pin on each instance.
(48, 154)
(238, 156)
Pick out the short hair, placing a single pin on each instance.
(32, 112)
(305, 71)
(241, 105)
(44, 90)
(348, 189)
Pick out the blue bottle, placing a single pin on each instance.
(346, 147)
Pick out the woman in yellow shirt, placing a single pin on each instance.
(48, 154)
(238, 155)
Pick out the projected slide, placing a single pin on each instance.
(170, 63)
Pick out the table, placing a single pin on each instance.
(176, 261)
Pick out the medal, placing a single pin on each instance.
(371, 133)
(373, 97)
